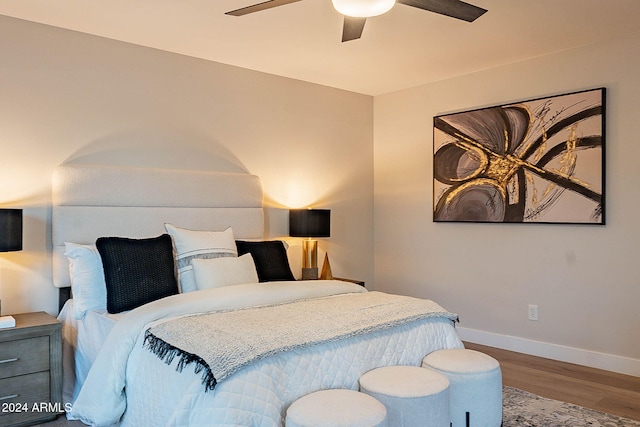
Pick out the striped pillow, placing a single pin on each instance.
(194, 244)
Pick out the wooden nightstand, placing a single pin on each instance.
(357, 282)
(30, 370)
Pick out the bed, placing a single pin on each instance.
(172, 352)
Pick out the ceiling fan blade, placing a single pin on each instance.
(352, 28)
(260, 6)
(453, 8)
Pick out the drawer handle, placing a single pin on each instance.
(11, 396)
(9, 360)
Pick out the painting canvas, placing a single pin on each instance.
(535, 161)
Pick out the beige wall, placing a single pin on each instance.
(67, 96)
(583, 278)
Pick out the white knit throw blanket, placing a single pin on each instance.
(220, 343)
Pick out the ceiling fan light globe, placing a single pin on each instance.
(363, 8)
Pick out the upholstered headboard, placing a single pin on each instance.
(92, 201)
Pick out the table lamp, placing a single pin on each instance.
(10, 240)
(309, 223)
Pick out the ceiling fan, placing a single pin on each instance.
(356, 12)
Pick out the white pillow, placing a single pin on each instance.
(218, 272)
(190, 244)
(87, 278)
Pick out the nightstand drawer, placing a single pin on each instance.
(24, 356)
(18, 396)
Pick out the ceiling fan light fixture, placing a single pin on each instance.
(363, 8)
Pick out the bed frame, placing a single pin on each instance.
(91, 201)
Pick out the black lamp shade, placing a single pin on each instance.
(10, 230)
(310, 223)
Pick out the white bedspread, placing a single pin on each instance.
(82, 341)
(258, 394)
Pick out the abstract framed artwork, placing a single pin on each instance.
(535, 161)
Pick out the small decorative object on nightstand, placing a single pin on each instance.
(30, 370)
(326, 273)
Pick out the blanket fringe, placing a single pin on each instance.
(167, 353)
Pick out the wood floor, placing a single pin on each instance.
(592, 388)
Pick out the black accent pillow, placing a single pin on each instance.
(137, 271)
(270, 258)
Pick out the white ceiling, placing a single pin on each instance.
(403, 48)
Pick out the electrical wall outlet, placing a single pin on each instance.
(533, 312)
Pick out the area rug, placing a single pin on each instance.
(523, 409)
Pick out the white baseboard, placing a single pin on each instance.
(608, 362)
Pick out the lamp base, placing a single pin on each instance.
(310, 273)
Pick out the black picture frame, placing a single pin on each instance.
(535, 161)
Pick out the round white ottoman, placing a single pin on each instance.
(475, 390)
(413, 396)
(336, 408)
